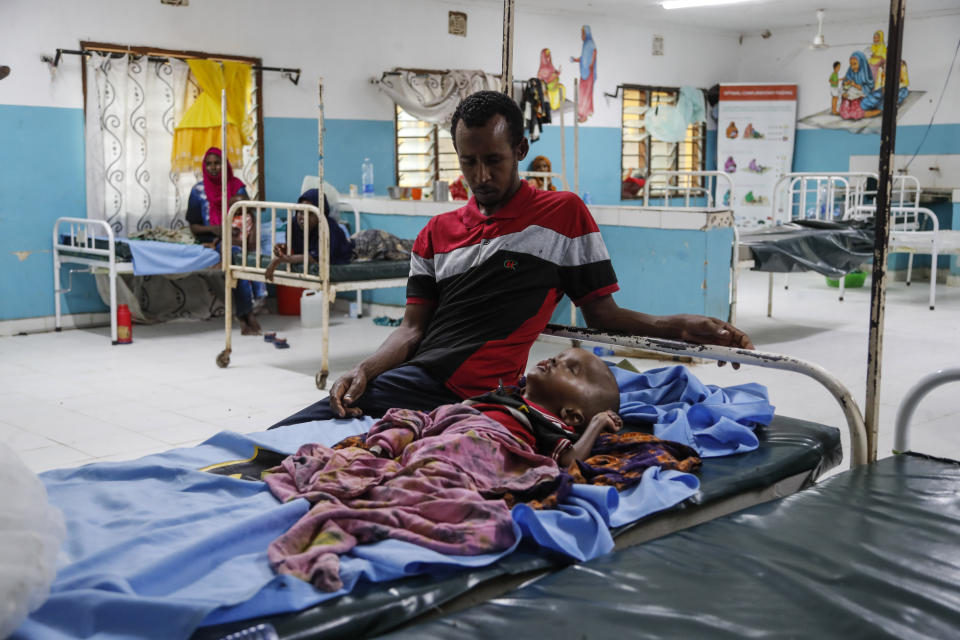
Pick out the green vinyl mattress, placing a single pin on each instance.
(350, 272)
(869, 553)
(787, 447)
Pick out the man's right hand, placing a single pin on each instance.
(346, 391)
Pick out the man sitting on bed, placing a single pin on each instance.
(486, 278)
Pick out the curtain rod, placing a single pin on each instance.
(293, 75)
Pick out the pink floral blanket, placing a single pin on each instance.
(443, 490)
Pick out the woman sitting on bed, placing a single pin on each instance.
(340, 246)
(205, 211)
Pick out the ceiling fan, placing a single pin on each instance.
(819, 41)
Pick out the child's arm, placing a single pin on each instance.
(280, 256)
(606, 422)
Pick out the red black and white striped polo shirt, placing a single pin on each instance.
(497, 280)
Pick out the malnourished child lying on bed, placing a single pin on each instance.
(448, 479)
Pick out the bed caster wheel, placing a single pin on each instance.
(223, 359)
(931, 307)
(321, 379)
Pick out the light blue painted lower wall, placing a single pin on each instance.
(41, 152)
(41, 179)
(661, 271)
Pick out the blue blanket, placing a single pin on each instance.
(157, 548)
(150, 257)
(713, 420)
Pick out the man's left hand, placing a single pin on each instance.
(706, 330)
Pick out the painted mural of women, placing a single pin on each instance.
(857, 83)
(550, 77)
(588, 74)
(878, 53)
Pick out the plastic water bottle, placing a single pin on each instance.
(603, 351)
(367, 180)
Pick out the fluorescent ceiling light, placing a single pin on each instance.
(688, 4)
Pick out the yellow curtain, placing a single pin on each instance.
(199, 129)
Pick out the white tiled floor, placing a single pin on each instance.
(70, 398)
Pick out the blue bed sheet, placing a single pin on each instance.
(157, 548)
(150, 257)
(716, 421)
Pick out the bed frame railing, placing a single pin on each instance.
(851, 411)
(794, 193)
(546, 174)
(285, 274)
(686, 188)
(901, 435)
(82, 234)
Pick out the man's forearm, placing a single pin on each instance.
(620, 319)
(395, 350)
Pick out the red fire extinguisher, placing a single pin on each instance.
(124, 325)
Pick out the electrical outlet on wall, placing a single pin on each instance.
(658, 45)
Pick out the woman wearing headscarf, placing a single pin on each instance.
(205, 206)
(205, 211)
(550, 77)
(340, 245)
(857, 83)
(588, 73)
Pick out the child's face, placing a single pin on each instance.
(569, 379)
(314, 220)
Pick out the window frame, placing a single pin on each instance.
(649, 142)
(436, 132)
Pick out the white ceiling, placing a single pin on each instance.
(751, 17)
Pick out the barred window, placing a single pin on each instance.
(424, 152)
(641, 155)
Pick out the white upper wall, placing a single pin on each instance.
(349, 43)
(928, 47)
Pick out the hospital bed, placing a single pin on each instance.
(328, 280)
(868, 553)
(93, 245)
(791, 456)
(822, 222)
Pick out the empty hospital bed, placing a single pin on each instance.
(93, 245)
(868, 553)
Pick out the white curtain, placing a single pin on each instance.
(132, 104)
(433, 97)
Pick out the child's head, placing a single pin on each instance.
(312, 196)
(836, 65)
(574, 385)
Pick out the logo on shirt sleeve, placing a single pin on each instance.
(511, 264)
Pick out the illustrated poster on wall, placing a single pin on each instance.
(856, 93)
(756, 125)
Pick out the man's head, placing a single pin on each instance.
(574, 385)
(487, 130)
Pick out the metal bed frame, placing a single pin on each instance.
(82, 234)
(284, 275)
